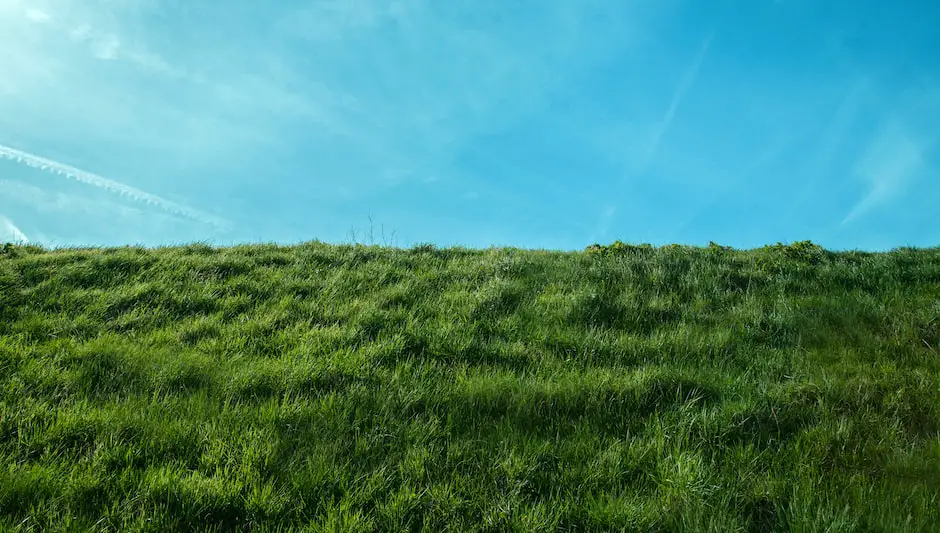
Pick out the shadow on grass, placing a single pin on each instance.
(257, 387)
(472, 351)
(762, 514)
(608, 410)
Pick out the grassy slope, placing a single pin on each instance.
(354, 388)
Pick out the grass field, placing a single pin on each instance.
(358, 388)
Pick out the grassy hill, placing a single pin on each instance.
(354, 388)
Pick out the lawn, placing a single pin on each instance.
(322, 387)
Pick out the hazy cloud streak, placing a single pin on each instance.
(890, 164)
(10, 233)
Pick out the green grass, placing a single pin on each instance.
(358, 388)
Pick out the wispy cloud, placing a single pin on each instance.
(71, 215)
(738, 179)
(327, 97)
(828, 143)
(82, 27)
(602, 228)
(37, 15)
(889, 166)
(70, 65)
(834, 134)
(678, 95)
(10, 233)
(425, 78)
(49, 202)
(290, 116)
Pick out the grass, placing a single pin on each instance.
(360, 388)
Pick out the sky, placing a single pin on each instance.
(541, 124)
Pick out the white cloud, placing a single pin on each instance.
(37, 15)
(80, 33)
(106, 47)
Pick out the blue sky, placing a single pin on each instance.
(530, 123)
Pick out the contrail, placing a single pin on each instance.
(679, 94)
(120, 189)
(9, 231)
